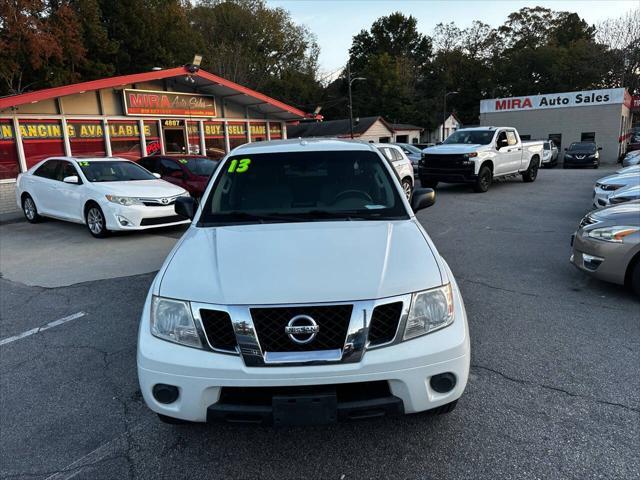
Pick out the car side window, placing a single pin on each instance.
(511, 138)
(66, 170)
(47, 169)
(396, 155)
(502, 137)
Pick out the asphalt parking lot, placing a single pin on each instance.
(554, 390)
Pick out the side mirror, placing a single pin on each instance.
(73, 179)
(422, 198)
(157, 175)
(599, 148)
(186, 207)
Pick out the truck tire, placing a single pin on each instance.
(531, 173)
(427, 183)
(483, 182)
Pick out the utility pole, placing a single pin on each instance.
(350, 82)
(444, 111)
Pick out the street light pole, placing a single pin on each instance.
(444, 111)
(350, 82)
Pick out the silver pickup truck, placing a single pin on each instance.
(479, 155)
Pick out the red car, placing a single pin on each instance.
(191, 172)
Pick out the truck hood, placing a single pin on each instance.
(300, 263)
(453, 148)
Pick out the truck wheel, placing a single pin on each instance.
(483, 182)
(427, 183)
(446, 408)
(531, 173)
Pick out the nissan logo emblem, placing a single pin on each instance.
(302, 329)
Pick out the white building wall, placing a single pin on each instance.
(377, 132)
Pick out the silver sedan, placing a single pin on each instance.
(607, 245)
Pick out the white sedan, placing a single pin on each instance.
(103, 193)
(606, 186)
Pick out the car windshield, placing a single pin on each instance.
(582, 147)
(113, 171)
(203, 167)
(474, 137)
(303, 186)
(411, 148)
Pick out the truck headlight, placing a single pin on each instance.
(430, 310)
(172, 320)
(126, 201)
(612, 234)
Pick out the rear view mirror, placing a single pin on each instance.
(73, 179)
(422, 198)
(186, 207)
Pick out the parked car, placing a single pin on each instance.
(412, 152)
(191, 172)
(549, 154)
(305, 291)
(401, 164)
(625, 194)
(582, 154)
(634, 140)
(631, 158)
(606, 186)
(105, 194)
(480, 155)
(629, 169)
(607, 245)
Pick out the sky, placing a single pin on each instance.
(335, 22)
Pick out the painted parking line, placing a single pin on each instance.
(49, 325)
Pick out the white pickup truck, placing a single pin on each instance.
(479, 155)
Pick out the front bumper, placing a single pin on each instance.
(140, 217)
(448, 175)
(584, 162)
(405, 367)
(601, 197)
(606, 261)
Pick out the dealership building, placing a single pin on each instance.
(601, 116)
(173, 111)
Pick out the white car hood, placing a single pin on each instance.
(632, 178)
(300, 263)
(139, 188)
(453, 148)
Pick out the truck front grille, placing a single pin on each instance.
(384, 323)
(444, 161)
(219, 329)
(333, 322)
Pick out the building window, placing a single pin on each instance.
(9, 166)
(193, 134)
(214, 139)
(152, 138)
(258, 132)
(41, 139)
(275, 131)
(86, 138)
(557, 139)
(588, 137)
(125, 139)
(237, 134)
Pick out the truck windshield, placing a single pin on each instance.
(472, 137)
(302, 186)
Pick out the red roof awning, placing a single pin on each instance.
(201, 81)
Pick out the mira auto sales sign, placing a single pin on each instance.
(168, 104)
(587, 98)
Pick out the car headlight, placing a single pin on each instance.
(612, 234)
(172, 320)
(608, 187)
(430, 310)
(126, 201)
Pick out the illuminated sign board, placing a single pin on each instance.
(168, 104)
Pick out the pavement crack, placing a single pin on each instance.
(555, 389)
(62, 471)
(488, 285)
